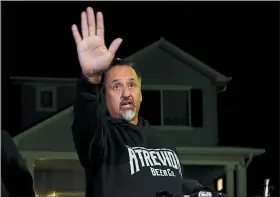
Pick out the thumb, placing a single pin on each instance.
(115, 45)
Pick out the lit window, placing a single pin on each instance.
(220, 184)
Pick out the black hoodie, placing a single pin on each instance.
(121, 159)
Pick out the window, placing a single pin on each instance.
(46, 98)
(172, 107)
(176, 108)
(150, 106)
(196, 104)
(220, 184)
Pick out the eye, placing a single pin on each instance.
(116, 87)
(131, 85)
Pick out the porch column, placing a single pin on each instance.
(230, 180)
(241, 181)
(30, 163)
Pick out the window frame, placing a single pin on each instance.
(39, 90)
(161, 88)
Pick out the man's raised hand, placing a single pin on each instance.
(92, 52)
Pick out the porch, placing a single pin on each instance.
(231, 160)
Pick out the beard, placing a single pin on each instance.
(128, 114)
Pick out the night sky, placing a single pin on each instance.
(238, 39)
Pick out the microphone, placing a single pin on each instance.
(208, 194)
(194, 189)
(197, 194)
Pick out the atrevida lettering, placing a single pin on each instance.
(162, 162)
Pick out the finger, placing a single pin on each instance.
(84, 25)
(76, 34)
(115, 45)
(100, 25)
(91, 21)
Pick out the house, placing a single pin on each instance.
(181, 90)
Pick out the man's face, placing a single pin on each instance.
(123, 92)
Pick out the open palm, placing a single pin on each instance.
(92, 52)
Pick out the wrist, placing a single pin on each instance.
(94, 78)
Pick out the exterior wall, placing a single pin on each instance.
(30, 115)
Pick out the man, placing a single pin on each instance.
(121, 154)
(15, 176)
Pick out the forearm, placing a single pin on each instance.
(86, 120)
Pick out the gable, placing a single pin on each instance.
(166, 49)
(159, 67)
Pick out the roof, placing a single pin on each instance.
(43, 123)
(163, 44)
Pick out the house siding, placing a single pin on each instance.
(29, 114)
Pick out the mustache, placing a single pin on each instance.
(127, 101)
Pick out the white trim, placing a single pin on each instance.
(240, 151)
(43, 155)
(207, 162)
(39, 90)
(200, 153)
(46, 155)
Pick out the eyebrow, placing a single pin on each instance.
(129, 78)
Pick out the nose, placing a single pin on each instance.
(126, 93)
